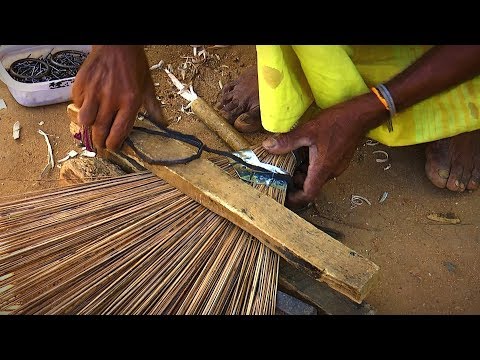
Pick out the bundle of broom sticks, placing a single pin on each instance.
(132, 245)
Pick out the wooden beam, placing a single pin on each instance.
(297, 241)
(318, 294)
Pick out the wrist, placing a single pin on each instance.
(372, 112)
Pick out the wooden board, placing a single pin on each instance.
(318, 294)
(294, 239)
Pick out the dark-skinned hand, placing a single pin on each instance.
(331, 138)
(110, 88)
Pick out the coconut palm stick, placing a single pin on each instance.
(219, 125)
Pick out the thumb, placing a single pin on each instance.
(152, 105)
(284, 143)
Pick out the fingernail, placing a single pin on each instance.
(269, 143)
(457, 183)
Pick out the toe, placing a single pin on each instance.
(224, 100)
(454, 182)
(249, 122)
(437, 167)
(231, 111)
(474, 182)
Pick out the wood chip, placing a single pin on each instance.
(16, 130)
(448, 218)
(2, 104)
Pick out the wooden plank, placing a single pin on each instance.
(297, 241)
(318, 294)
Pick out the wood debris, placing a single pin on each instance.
(448, 218)
(51, 161)
(357, 200)
(157, 66)
(16, 130)
(384, 153)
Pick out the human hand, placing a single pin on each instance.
(110, 87)
(331, 137)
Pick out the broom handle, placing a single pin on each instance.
(219, 125)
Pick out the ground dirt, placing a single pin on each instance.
(426, 267)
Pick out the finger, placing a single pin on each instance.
(121, 128)
(316, 177)
(284, 143)
(310, 190)
(88, 112)
(299, 179)
(102, 125)
(78, 95)
(153, 106)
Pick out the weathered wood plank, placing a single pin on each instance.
(329, 302)
(283, 231)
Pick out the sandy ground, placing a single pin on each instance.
(427, 267)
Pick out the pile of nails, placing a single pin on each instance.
(53, 66)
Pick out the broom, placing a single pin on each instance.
(132, 245)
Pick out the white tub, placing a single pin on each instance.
(36, 94)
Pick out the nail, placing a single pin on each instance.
(444, 174)
(269, 143)
(457, 183)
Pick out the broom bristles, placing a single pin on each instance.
(131, 245)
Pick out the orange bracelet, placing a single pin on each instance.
(382, 100)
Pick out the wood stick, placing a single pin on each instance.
(283, 231)
(218, 124)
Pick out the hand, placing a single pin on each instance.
(331, 137)
(110, 87)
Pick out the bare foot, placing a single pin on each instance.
(239, 102)
(454, 162)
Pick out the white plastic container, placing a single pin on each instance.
(36, 94)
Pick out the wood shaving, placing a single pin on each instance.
(71, 154)
(357, 200)
(51, 161)
(371, 142)
(157, 66)
(383, 197)
(16, 130)
(383, 153)
(2, 104)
